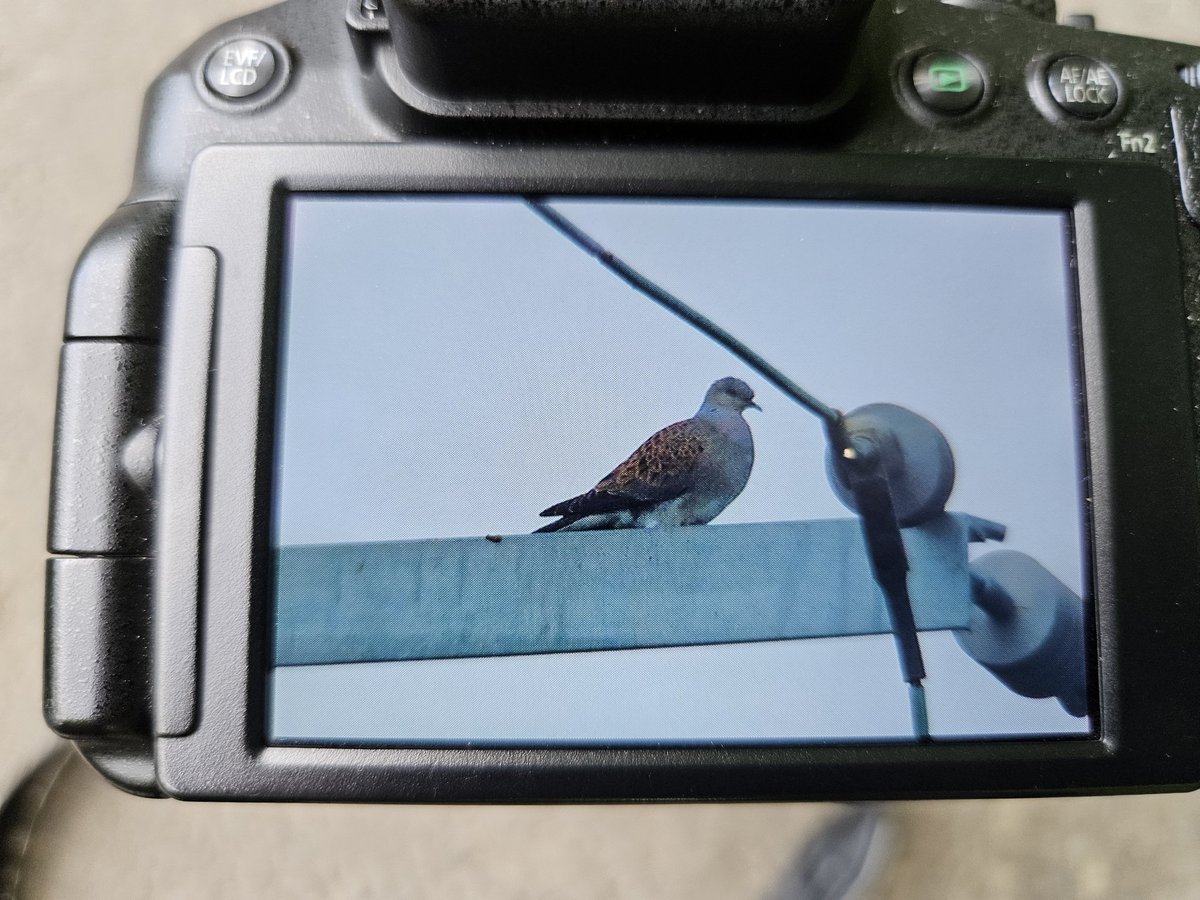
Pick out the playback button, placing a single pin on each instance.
(947, 83)
(1083, 87)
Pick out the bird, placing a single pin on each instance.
(685, 474)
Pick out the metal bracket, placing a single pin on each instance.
(367, 16)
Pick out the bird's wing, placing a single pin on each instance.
(659, 470)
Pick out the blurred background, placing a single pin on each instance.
(71, 80)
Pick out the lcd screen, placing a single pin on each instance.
(520, 501)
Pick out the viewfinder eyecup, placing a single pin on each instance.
(634, 59)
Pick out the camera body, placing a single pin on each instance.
(159, 602)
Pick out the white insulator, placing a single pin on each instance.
(1028, 629)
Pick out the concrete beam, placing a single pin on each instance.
(563, 592)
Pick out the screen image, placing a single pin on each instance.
(574, 471)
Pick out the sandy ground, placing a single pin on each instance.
(71, 77)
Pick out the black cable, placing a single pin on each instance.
(673, 304)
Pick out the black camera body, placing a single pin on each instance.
(165, 589)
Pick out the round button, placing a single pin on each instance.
(947, 83)
(240, 69)
(1083, 87)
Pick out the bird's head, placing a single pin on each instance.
(731, 393)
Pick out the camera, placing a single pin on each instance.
(557, 401)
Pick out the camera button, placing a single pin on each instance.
(240, 69)
(947, 83)
(1083, 87)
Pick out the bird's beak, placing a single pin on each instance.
(753, 405)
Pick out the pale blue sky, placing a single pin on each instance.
(454, 365)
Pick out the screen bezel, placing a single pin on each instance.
(1143, 527)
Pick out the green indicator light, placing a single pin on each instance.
(949, 77)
